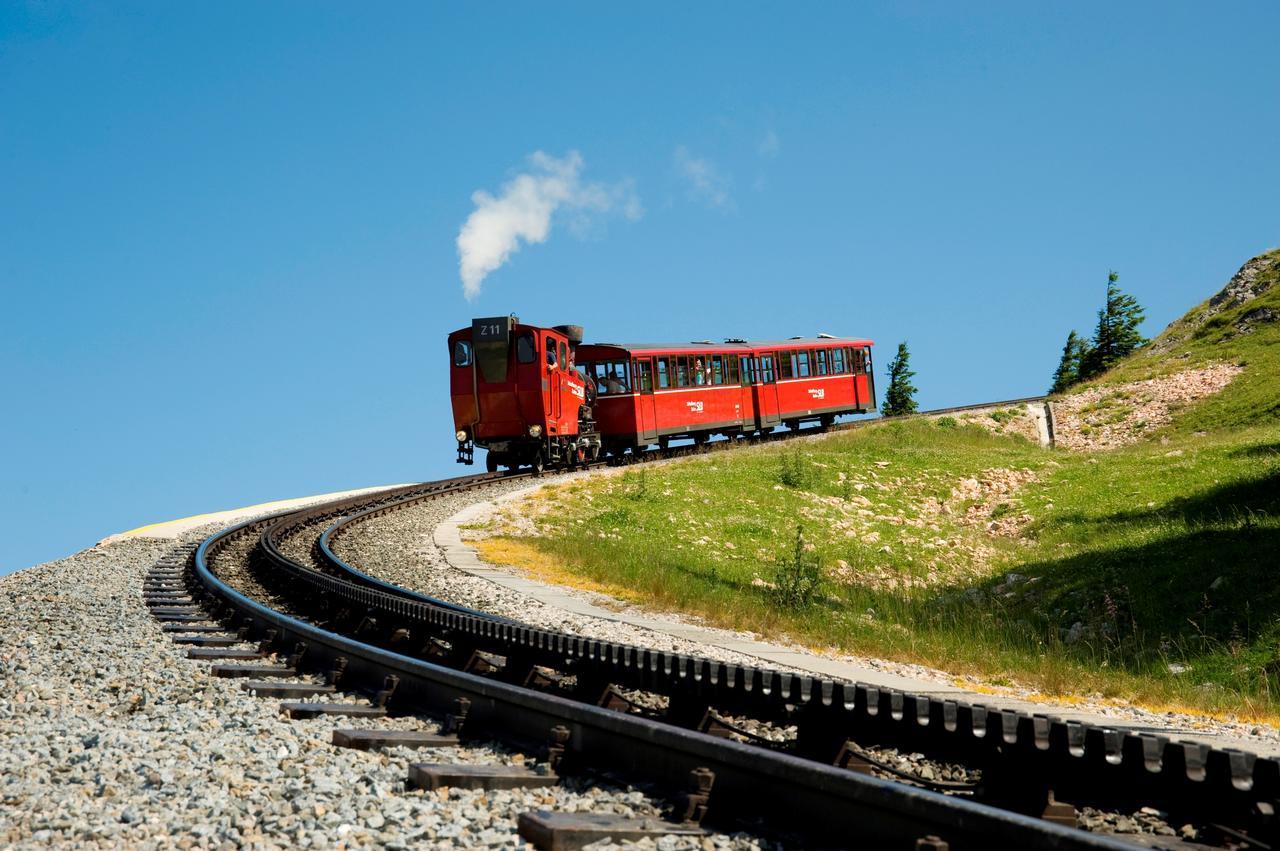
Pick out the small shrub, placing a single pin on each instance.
(637, 486)
(799, 576)
(948, 422)
(791, 469)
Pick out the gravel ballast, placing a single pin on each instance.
(109, 737)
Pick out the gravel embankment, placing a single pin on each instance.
(399, 548)
(110, 738)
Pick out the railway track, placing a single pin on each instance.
(677, 720)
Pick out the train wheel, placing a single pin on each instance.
(491, 462)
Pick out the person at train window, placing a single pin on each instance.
(551, 352)
(614, 378)
(699, 377)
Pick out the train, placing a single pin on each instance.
(538, 396)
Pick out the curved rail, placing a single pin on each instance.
(819, 801)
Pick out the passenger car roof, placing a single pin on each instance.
(737, 345)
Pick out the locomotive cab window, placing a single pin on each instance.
(551, 352)
(461, 353)
(526, 351)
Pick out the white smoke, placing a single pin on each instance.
(522, 213)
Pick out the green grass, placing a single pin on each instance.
(1144, 573)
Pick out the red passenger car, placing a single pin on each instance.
(648, 394)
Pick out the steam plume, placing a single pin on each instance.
(522, 213)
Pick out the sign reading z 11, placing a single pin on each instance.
(491, 330)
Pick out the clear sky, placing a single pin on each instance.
(229, 231)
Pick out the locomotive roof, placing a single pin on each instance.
(713, 345)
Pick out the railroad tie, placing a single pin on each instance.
(302, 709)
(363, 740)
(489, 777)
(223, 653)
(251, 671)
(273, 688)
(551, 831)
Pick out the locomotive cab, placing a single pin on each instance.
(515, 393)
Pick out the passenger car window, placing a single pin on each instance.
(664, 376)
(866, 361)
(717, 369)
(837, 360)
(644, 375)
(820, 362)
(786, 366)
(461, 353)
(802, 364)
(682, 371)
(525, 352)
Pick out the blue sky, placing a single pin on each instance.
(228, 231)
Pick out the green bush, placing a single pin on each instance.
(799, 576)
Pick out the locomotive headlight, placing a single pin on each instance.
(535, 431)
(461, 435)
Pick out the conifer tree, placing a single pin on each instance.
(900, 397)
(1068, 371)
(1117, 333)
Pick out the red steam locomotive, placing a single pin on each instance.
(540, 397)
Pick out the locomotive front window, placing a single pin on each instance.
(461, 353)
(526, 352)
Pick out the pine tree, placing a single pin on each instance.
(1068, 371)
(900, 397)
(1117, 333)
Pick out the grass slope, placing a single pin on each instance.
(1143, 573)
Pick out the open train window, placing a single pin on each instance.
(611, 377)
(866, 361)
(526, 352)
(461, 353)
(802, 364)
(644, 375)
(664, 373)
(551, 351)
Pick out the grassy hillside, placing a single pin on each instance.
(1227, 328)
(1141, 573)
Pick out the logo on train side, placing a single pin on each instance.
(694, 407)
(818, 392)
(578, 390)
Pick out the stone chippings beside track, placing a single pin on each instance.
(109, 737)
(398, 548)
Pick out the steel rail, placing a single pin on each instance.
(788, 794)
